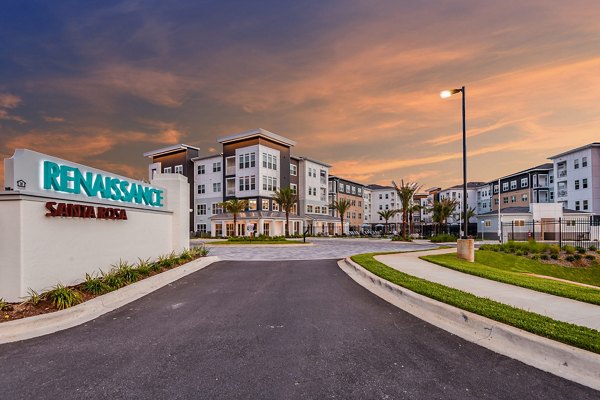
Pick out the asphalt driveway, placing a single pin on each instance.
(266, 330)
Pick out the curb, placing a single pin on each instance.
(559, 359)
(45, 324)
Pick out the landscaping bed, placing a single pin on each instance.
(574, 335)
(120, 275)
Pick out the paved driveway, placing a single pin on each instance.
(266, 330)
(319, 249)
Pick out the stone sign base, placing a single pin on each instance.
(466, 249)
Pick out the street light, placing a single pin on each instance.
(444, 95)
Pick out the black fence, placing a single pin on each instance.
(576, 232)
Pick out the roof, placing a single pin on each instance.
(587, 146)
(207, 157)
(470, 185)
(313, 160)
(258, 132)
(379, 187)
(170, 149)
(542, 167)
(525, 210)
(333, 177)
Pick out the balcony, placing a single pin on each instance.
(561, 173)
(562, 193)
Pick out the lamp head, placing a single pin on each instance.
(447, 93)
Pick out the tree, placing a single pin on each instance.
(234, 207)
(286, 198)
(341, 206)
(442, 210)
(387, 215)
(406, 192)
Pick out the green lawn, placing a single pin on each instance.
(509, 268)
(578, 336)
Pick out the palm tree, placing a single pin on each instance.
(442, 210)
(286, 198)
(411, 211)
(387, 215)
(406, 192)
(234, 207)
(341, 206)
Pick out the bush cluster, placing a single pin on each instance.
(260, 238)
(119, 275)
(444, 237)
(541, 251)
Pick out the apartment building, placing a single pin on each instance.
(176, 159)
(340, 188)
(208, 191)
(384, 198)
(484, 198)
(456, 193)
(577, 173)
(533, 185)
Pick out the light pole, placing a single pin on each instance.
(445, 94)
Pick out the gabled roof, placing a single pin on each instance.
(258, 132)
(207, 157)
(171, 149)
(379, 187)
(313, 161)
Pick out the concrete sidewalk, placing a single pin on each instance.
(558, 308)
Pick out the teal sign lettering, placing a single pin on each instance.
(66, 179)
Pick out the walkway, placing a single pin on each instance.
(266, 330)
(318, 249)
(555, 307)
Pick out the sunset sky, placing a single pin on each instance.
(355, 83)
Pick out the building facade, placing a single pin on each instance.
(340, 188)
(533, 185)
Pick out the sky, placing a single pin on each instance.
(355, 83)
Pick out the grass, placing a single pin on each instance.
(578, 336)
(508, 268)
(443, 238)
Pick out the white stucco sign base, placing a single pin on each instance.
(60, 220)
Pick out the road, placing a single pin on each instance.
(266, 330)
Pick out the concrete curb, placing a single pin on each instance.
(548, 355)
(45, 324)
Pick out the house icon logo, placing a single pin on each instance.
(21, 184)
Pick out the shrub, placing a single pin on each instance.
(94, 285)
(127, 272)
(580, 250)
(544, 257)
(577, 256)
(570, 258)
(444, 237)
(112, 280)
(4, 306)
(64, 297)
(554, 249)
(554, 256)
(592, 248)
(33, 298)
(143, 267)
(569, 249)
(590, 257)
(519, 253)
(535, 257)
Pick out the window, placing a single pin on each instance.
(293, 170)
(317, 209)
(496, 201)
(387, 196)
(217, 208)
(201, 209)
(496, 187)
(201, 189)
(487, 223)
(380, 196)
(179, 169)
(524, 198)
(584, 183)
(309, 208)
(265, 204)
(252, 205)
(217, 187)
(294, 188)
(570, 222)
(201, 228)
(513, 199)
(585, 204)
(217, 166)
(167, 170)
(584, 162)
(247, 160)
(576, 163)
(505, 199)
(505, 186)
(359, 191)
(218, 230)
(247, 183)
(577, 206)
(524, 182)
(229, 229)
(577, 184)
(380, 207)
(200, 169)
(519, 222)
(275, 206)
(513, 185)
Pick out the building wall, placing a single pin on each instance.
(568, 194)
(203, 202)
(309, 184)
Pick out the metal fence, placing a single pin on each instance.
(576, 232)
